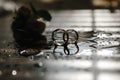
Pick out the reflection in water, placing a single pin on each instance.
(86, 64)
(66, 39)
(96, 62)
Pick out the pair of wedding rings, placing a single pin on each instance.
(63, 38)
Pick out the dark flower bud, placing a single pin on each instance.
(23, 12)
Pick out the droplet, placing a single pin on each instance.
(14, 72)
(47, 56)
(9, 55)
(31, 58)
(23, 51)
(40, 64)
(40, 53)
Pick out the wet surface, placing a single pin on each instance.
(97, 59)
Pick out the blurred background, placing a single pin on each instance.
(97, 23)
(65, 4)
